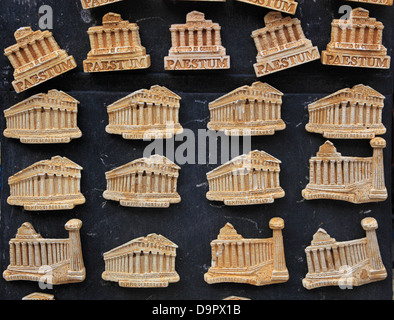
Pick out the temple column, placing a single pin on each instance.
(182, 37)
(75, 250)
(378, 182)
(209, 36)
(280, 270)
(217, 39)
(370, 225)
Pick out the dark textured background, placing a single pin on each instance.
(194, 222)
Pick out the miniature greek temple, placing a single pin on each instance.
(352, 179)
(196, 45)
(145, 262)
(146, 114)
(286, 6)
(36, 58)
(248, 111)
(344, 264)
(47, 185)
(253, 261)
(354, 113)
(281, 44)
(43, 118)
(88, 4)
(53, 261)
(116, 46)
(145, 182)
(248, 179)
(357, 42)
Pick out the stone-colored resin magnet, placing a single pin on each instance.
(116, 45)
(36, 58)
(287, 6)
(145, 262)
(47, 185)
(344, 264)
(281, 44)
(44, 118)
(248, 179)
(146, 182)
(352, 179)
(146, 114)
(381, 2)
(357, 42)
(88, 4)
(196, 45)
(53, 261)
(257, 262)
(39, 296)
(248, 111)
(354, 113)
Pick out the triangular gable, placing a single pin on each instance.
(154, 159)
(150, 238)
(241, 160)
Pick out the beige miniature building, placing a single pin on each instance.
(47, 185)
(347, 263)
(53, 261)
(253, 261)
(381, 2)
(281, 44)
(146, 114)
(44, 118)
(248, 111)
(36, 58)
(88, 4)
(357, 42)
(116, 46)
(196, 45)
(248, 179)
(352, 179)
(145, 182)
(354, 113)
(145, 262)
(286, 6)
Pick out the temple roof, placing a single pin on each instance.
(152, 160)
(161, 94)
(359, 92)
(153, 238)
(257, 89)
(247, 160)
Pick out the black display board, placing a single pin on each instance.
(195, 222)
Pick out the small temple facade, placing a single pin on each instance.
(281, 44)
(248, 111)
(357, 42)
(51, 261)
(145, 182)
(252, 261)
(248, 179)
(36, 57)
(351, 113)
(352, 179)
(43, 118)
(344, 264)
(145, 262)
(146, 114)
(196, 45)
(53, 184)
(116, 46)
